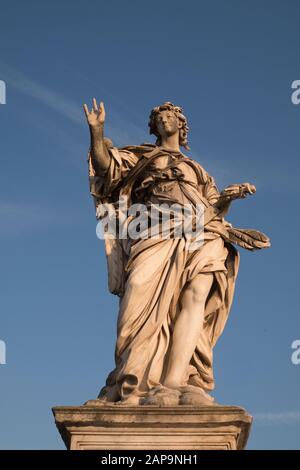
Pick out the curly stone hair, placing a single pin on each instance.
(178, 111)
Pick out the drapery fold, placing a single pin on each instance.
(149, 275)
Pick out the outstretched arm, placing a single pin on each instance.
(234, 191)
(99, 153)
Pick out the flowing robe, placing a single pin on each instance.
(149, 275)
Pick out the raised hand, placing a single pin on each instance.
(95, 117)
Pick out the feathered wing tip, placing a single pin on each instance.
(249, 238)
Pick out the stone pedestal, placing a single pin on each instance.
(120, 427)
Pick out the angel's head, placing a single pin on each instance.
(166, 120)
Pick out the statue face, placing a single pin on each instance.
(167, 123)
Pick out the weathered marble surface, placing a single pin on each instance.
(96, 426)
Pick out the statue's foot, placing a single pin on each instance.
(195, 396)
(130, 400)
(161, 396)
(98, 402)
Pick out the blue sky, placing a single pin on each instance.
(230, 65)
